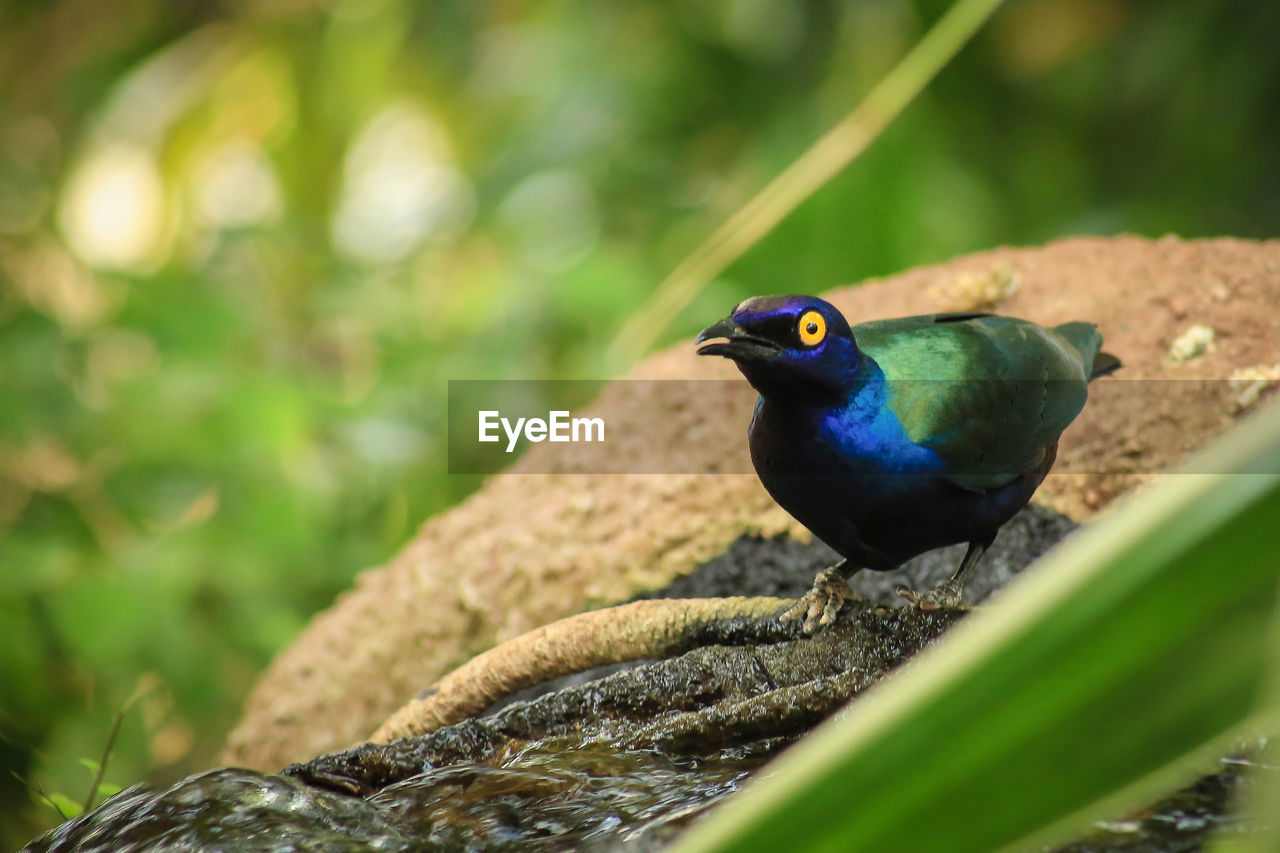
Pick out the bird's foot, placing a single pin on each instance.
(822, 603)
(944, 595)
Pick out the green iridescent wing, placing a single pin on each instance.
(989, 394)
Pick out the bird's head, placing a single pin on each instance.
(786, 345)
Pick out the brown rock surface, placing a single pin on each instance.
(526, 550)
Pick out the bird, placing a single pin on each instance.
(890, 438)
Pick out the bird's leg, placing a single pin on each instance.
(822, 603)
(948, 593)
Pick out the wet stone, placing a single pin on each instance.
(785, 568)
(699, 704)
(635, 755)
(624, 755)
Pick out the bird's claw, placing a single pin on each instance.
(944, 595)
(822, 603)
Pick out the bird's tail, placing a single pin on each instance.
(1086, 338)
(1104, 363)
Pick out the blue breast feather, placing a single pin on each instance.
(864, 433)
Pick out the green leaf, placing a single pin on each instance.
(1095, 683)
(67, 807)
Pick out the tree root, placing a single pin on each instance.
(643, 629)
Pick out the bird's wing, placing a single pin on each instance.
(988, 394)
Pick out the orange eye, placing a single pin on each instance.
(812, 328)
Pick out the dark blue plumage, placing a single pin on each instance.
(893, 438)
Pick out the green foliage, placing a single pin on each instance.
(64, 806)
(244, 246)
(1093, 685)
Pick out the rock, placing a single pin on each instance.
(522, 552)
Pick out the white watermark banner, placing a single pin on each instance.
(1127, 426)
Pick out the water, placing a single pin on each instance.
(551, 795)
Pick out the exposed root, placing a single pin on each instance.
(642, 629)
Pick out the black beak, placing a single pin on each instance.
(714, 338)
(730, 340)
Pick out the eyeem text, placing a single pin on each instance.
(558, 426)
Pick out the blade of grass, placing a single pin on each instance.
(99, 768)
(1081, 693)
(60, 803)
(822, 161)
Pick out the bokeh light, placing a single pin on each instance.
(399, 188)
(113, 209)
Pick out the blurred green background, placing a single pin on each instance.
(244, 245)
